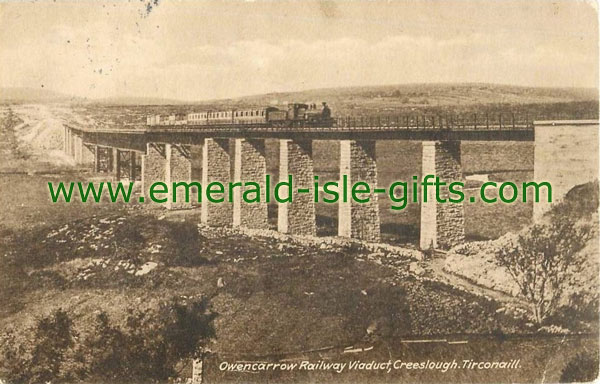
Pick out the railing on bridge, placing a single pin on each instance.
(381, 123)
(440, 122)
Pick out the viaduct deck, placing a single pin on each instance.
(136, 137)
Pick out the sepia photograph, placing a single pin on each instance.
(315, 191)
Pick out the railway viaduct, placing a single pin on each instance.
(566, 154)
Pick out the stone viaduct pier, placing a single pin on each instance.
(237, 153)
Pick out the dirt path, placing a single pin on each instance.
(436, 266)
(40, 135)
(31, 139)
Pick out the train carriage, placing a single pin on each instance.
(253, 116)
(220, 118)
(197, 118)
(296, 114)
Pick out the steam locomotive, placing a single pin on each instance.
(297, 114)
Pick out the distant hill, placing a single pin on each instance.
(34, 95)
(424, 98)
(429, 99)
(436, 94)
(133, 100)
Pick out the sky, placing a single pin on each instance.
(199, 50)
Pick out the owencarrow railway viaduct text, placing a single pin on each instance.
(163, 152)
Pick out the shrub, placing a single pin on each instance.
(43, 359)
(187, 328)
(145, 350)
(582, 368)
(538, 260)
(13, 363)
(581, 201)
(109, 345)
(54, 335)
(149, 347)
(188, 245)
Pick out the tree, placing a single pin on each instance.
(53, 338)
(538, 260)
(146, 349)
(108, 347)
(151, 344)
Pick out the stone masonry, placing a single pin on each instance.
(89, 154)
(297, 217)
(358, 220)
(72, 146)
(153, 167)
(442, 224)
(178, 169)
(83, 154)
(67, 141)
(216, 166)
(97, 161)
(78, 149)
(132, 166)
(250, 165)
(117, 163)
(110, 159)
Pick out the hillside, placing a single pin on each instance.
(426, 96)
(133, 100)
(400, 95)
(347, 101)
(430, 99)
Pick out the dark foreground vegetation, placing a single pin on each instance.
(113, 298)
(149, 347)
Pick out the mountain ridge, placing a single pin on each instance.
(404, 95)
